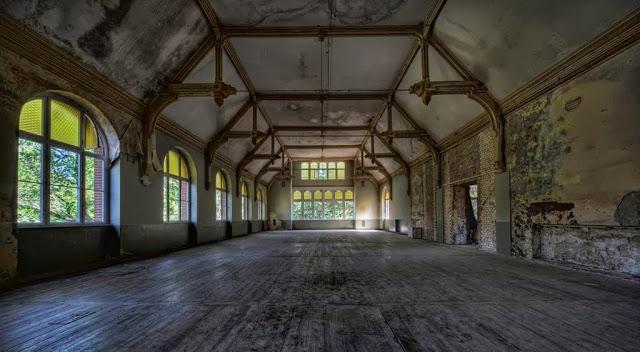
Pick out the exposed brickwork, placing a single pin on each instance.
(472, 161)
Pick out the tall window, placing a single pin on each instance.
(260, 205)
(176, 187)
(323, 205)
(307, 206)
(322, 171)
(244, 201)
(221, 197)
(297, 205)
(61, 164)
(348, 204)
(386, 204)
(340, 171)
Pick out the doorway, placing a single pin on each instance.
(465, 209)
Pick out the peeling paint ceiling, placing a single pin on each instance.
(140, 44)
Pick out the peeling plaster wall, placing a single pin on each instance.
(367, 205)
(423, 199)
(138, 44)
(574, 158)
(399, 206)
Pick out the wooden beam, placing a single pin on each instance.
(430, 18)
(321, 31)
(250, 157)
(319, 96)
(211, 17)
(319, 128)
(330, 146)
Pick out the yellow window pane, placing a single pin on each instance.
(304, 174)
(184, 170)
(332, 165)
(307, 195)
(314, 165)
(91, 140)
(340, 175)
(323, 165)
(297, 195)
(332, 174)
(386, 195)
(31, 117)
(65, 123)
(348, 195)
(221, 183)
(317, 195)
(338, 195)
(304, 165)
(328, 195)
(174, 163)
(243, 189)
(341, 165)
(259, 195)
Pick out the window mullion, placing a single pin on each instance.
(81, 183)
(46, 172)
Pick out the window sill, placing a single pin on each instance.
(58, 226)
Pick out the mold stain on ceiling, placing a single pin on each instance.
(137, 44)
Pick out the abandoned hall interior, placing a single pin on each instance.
(320, 175)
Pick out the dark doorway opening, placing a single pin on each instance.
(466, 214)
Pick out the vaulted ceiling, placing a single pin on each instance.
(141, 45)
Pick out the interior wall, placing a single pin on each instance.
(423, 198)
(399, 206)
(471, 161)
(136, 226)
(574, 158)
(280, 204)
(367, 205)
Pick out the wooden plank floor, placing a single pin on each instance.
(325, 291)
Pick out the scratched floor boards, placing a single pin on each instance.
(325, 291)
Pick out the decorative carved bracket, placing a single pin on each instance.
(221, 90)
(152, 112)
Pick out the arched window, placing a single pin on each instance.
(297, 205)
(322, 171)
(386, 204)
(348, 205)
(317, 205)
(340, 172)
(331, 172)
(307, 205)
(328, 205)
(221, 197)
(313, 175)
(260, 205)
(176, 187)
(304, 171)
(339, 205)
(244, 201)
(61, 164)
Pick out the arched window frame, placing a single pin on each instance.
(244, 201)
(260, 205)
(221, 196)
(313, 173)
(297, 205)
(386, 204)
(47, 144)
(184, 187)
(304, 171)
(340, 173)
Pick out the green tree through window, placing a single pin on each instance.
(58, 136)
